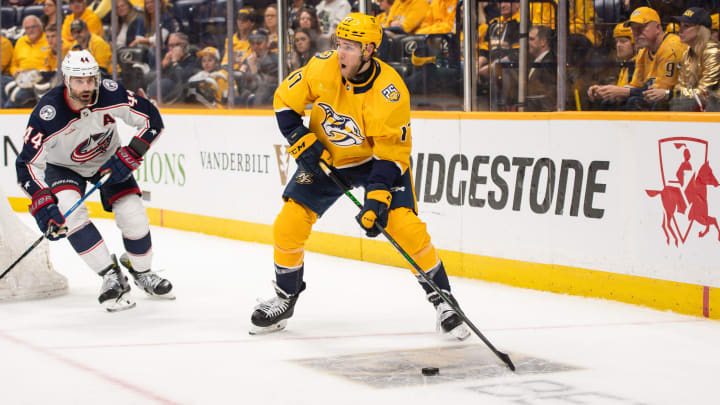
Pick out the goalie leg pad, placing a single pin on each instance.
(411, 233)
(290, 232)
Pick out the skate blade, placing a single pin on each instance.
(264, 330)
(119, 304)
(168, 297)
(461, 332)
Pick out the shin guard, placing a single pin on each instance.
(411, 233)
(133, 222)
(290, 232)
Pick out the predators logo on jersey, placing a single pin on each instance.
(341, 130)
(391, 93)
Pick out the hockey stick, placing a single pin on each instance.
(70, 211)
(344, 187)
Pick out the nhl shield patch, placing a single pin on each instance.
(110, 85)
(47, 112)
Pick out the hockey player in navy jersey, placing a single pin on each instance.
(360, 123)
(72, 139)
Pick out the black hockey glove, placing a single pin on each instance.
(121, 165)
(47, 215)
(308, 151)
(375, 210)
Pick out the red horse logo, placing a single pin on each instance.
(685, 154)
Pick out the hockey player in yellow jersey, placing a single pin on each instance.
(360, 124)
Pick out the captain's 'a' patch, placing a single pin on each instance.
(391, 93)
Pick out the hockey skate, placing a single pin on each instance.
(448, 321)
(151, 283)
(272, 314)
(114, 289)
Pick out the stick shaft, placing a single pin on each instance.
(70, 211)
(502, 356)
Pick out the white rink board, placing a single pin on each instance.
(616, 229)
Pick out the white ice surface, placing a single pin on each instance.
(196, 350)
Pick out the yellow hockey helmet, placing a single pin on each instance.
(361, 28)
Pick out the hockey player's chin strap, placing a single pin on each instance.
(363, 76)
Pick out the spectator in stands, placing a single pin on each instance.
(145, 35)
(5, 61)
(49, 77)
(271, 24)
(49, 13)
(97, 46)
(611, 96)
(385, 6)
(330, 13)
(260, 70)
(294, 10)
(7, 52)
(129, 19)
(51, 56)
(486, 12)
(405, 16)
(501, 38)
(307, 19)
(542, 78)
(656, 64)
(241, 44)
(18, 3)
(210, 85)
(698, 86)
(178, 65)
(715, 26)
(581, 17)
(28, 52)
(28, 60)
(440, 18)
(304, 47)
(79, 11)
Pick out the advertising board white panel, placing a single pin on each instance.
(603, 195)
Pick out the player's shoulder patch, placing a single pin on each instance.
(391, 93)
(324, 55)
(47, 112)
(109, 84)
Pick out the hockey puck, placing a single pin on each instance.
(430, 371)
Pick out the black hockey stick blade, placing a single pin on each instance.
(22, 256)
(344, 187)
(70, 211)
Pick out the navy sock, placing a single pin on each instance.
(438, 276)
(289, 279)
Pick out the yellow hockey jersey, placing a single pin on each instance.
(355, 122)
(241, 47)
(410, 13)
(659, 69)
(440, 18)
(7, 52)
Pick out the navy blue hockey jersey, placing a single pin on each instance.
(81, 140)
